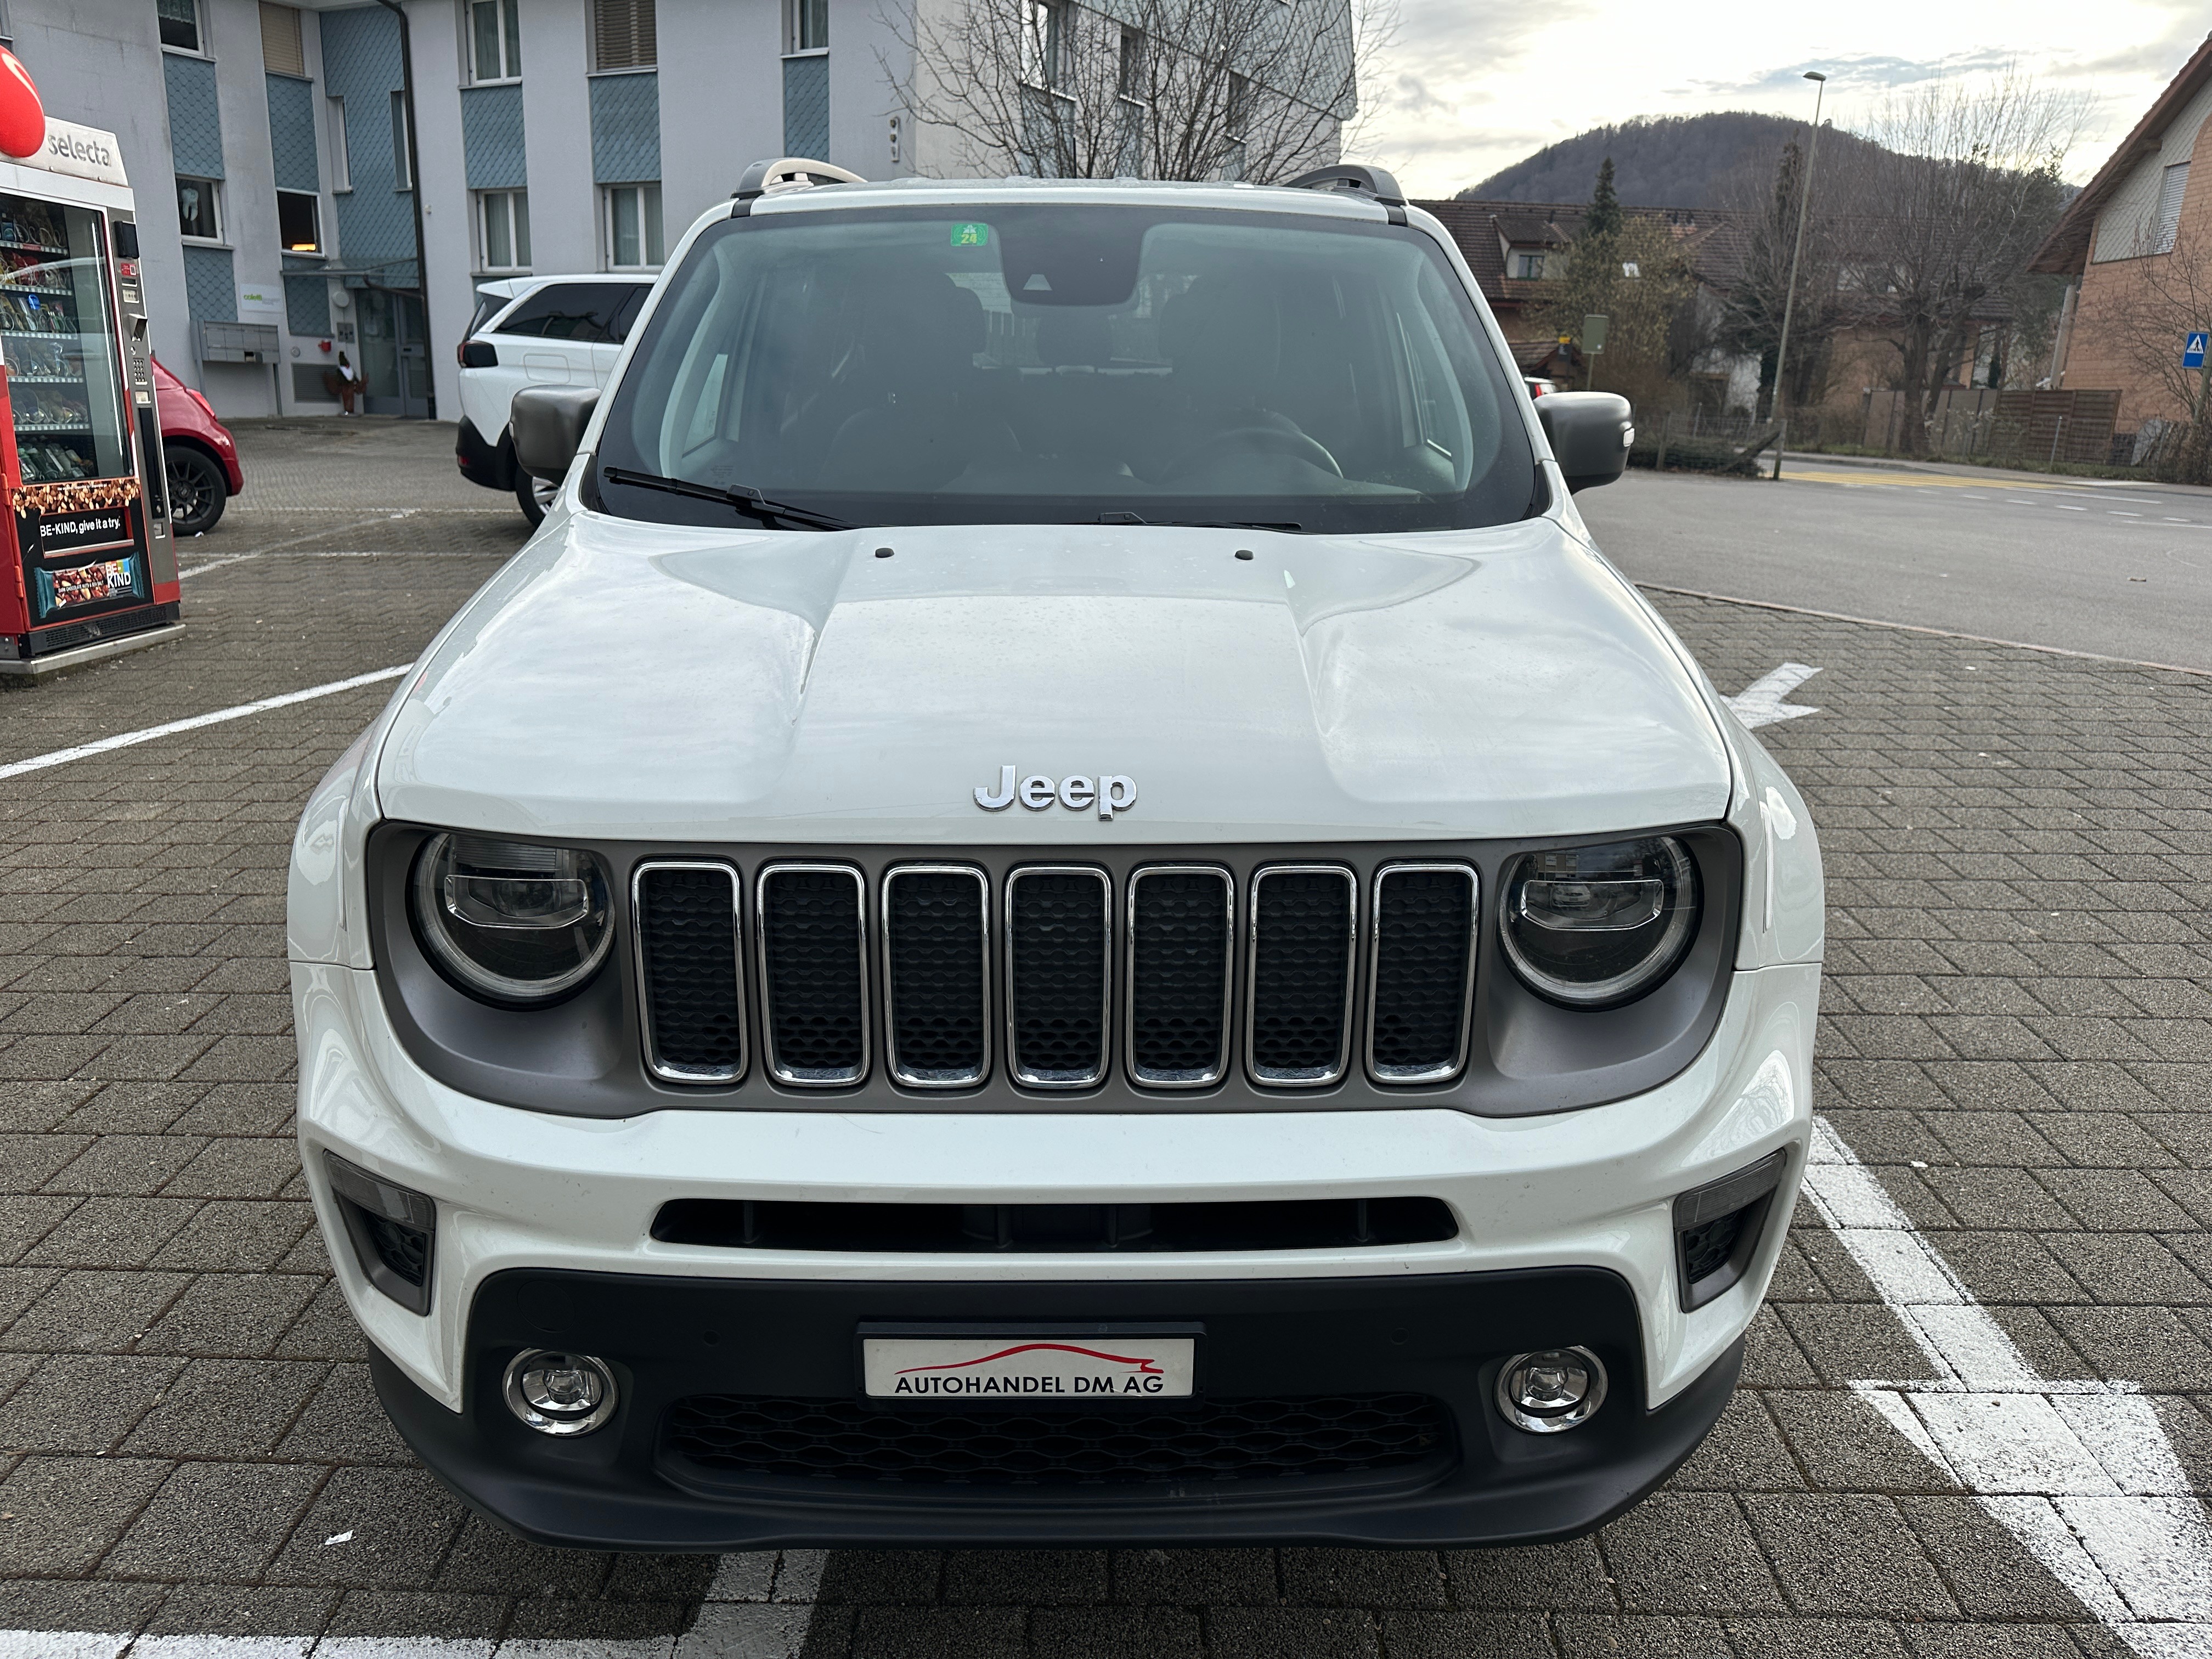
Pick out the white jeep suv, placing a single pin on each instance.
(1060, 903)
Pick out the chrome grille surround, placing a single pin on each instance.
(1140, 1074)
(665, 1069)
(1278, 1077)
(1376, 946)
(1058, 1078)
(765, 913)
(905, 1076)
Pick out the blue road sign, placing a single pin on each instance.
(2193, 354)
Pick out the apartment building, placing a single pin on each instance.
(277, 195)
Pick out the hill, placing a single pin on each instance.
(1673, 161)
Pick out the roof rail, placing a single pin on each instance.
(789, 171)
(1353, 175)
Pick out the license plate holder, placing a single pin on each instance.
(1032, 1362)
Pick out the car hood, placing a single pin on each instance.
(620, 680)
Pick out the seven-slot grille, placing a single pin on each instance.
(1054, 945)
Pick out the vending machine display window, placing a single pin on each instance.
(78, 510)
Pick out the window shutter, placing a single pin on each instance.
(280, 51)
(622, 35)
(2171, 187)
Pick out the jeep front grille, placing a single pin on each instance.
(936, 992)
(814, 974)
(1059, 938)
(1298, 1018)
(1204, 963)
(1182, 942)
(694, 1027)
(1418, 988)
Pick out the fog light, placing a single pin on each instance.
(1555, 1390)
(560, 1394)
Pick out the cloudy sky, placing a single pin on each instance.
(1473, 85)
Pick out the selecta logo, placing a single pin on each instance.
(1109, 1373)
(1109, 794)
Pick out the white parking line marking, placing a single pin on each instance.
(1760, 702)
(128, 739)
(2080, 1472)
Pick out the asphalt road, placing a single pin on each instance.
(2119, 570)
(1976, 1417)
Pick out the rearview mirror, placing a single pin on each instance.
(548, 422)
(1591, 432)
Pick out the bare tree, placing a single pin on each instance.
(1758, 290)
(1965, 187)
(1189, 89)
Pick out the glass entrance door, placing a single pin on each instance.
(395, 365)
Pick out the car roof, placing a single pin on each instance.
(1229, 196)
(513, 288)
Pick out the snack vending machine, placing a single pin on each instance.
(91, 569)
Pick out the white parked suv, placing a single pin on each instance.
(535, 330)
(1060, 904)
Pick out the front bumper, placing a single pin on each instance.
(1580, 1198)
(482, 461)
(646, 1481)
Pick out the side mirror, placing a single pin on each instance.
(548, 422)
(1591, 432)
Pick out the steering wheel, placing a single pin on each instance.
(1273, 438)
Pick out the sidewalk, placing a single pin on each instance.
(1794, 459)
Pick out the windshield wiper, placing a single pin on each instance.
(1289, 525)
(745, 499)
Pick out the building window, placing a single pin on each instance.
(494, 41)
(1040, 43)
(622, 34)
(1129, 68)
(298, 221)
(199, 217)
(633, 227)
(810, 25)
(503, 230)
(180, 24)
(1529, 267)
(2170, 186)
(341, 158)
(283, 52)
(403, 158)
(1238, 111)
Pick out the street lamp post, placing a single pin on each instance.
(1797, 252)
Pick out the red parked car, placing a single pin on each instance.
(202, 458)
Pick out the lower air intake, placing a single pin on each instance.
(1219, 1441)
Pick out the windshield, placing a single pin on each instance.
(1063, 364)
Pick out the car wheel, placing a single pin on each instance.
(198, 491)
(534, 495)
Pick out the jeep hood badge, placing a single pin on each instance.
(1110, 795)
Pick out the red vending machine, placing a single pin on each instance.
(89, 568)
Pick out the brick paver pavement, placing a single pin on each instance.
(2018, 1036)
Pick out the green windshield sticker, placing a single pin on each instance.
(971, 235)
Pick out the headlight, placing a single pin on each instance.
(508, 921)
(1592, 926)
